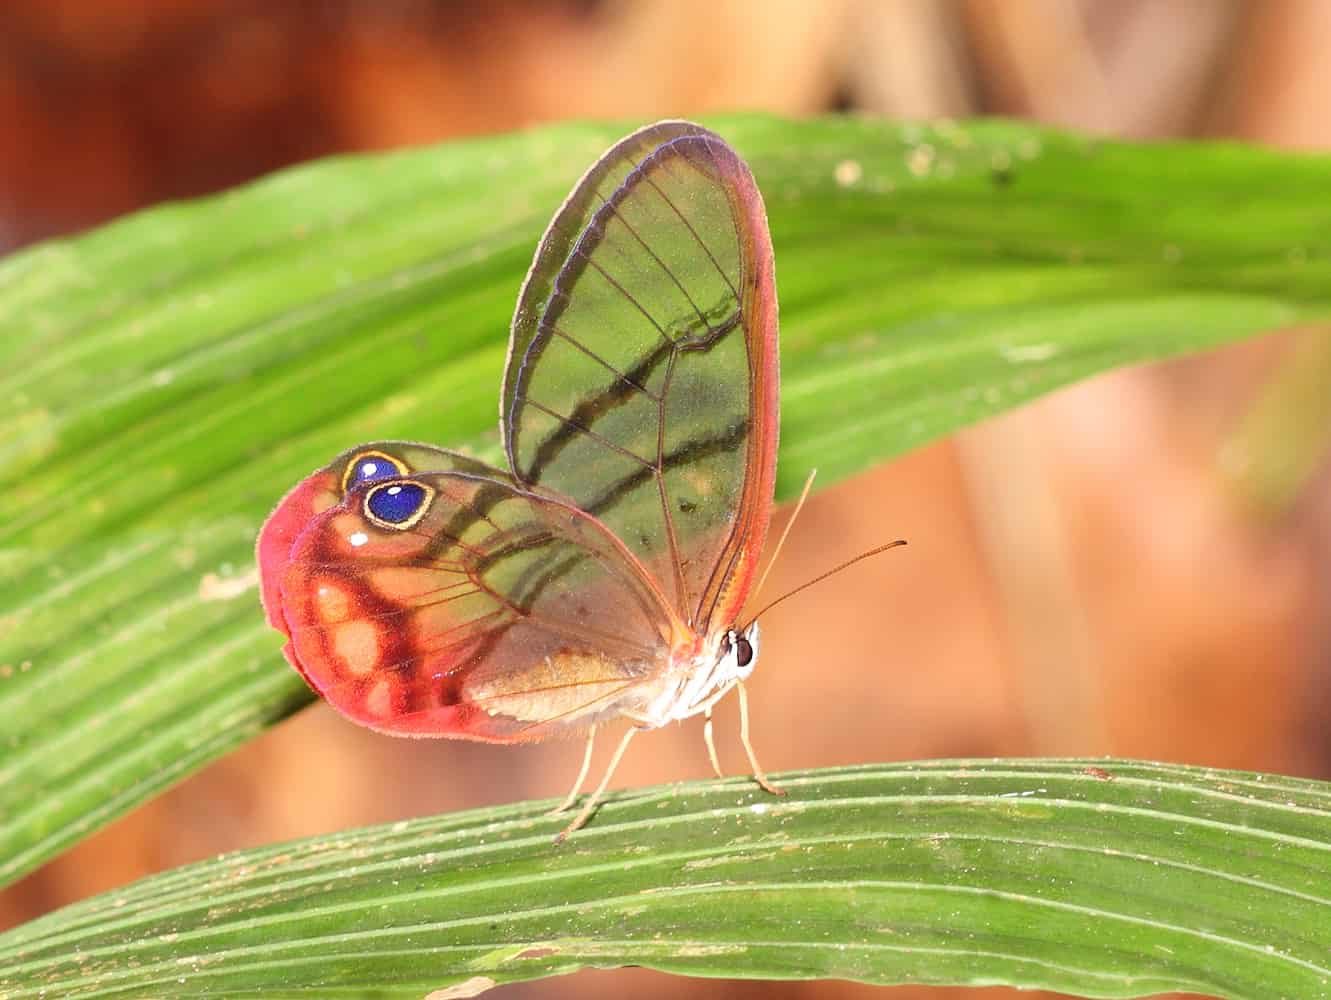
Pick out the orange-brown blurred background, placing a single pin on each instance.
(1137, 566)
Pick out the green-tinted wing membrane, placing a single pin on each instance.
(642, 372)
(453, 604)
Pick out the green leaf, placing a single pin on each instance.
(164, 379)
(1104, 879)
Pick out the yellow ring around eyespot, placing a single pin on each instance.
(399, 467)
(410, 522)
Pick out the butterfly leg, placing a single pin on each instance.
(711, 744)
(590, 806)
(582, 775)
(758, 774)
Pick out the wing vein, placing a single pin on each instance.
(668, 515)
(623, 377)
(626, 293)
(585, 430)
(693, 232)
(464, 628)
(582, 708)
(614, 210)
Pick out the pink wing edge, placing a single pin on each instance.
(277, 538)
(760, 304)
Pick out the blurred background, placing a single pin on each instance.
(1137, 566)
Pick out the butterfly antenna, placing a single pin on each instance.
(823, 576)
(785, 532)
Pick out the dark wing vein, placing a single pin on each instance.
(614, 210)
(578, 427)
(471, 630)
(469, 511)
(689, 451)
(624, 292)
(672, 540)
(400, 612)
(591, 410)
(693, 232)
(569, 338)
(579, 709)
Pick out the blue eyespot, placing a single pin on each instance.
(370, 466)
(397, 504)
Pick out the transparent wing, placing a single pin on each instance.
(642, 371)
(454, 604)
(325, 488)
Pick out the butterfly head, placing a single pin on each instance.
(739, 653)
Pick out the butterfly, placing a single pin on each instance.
(602, 574)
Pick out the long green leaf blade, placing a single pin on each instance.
(1102, 879)
(164, 379)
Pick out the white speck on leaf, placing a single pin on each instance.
(920, 160)
(1025, 353)
(226, 588)
(848, 173)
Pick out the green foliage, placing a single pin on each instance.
(1107, 879)
(163, 380)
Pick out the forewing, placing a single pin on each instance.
(325, 488)
(453, 604)
(642, 374)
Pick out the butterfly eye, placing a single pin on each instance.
(397, 505)
(369, 466)
(743, 652)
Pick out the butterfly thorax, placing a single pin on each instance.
(699, 677)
